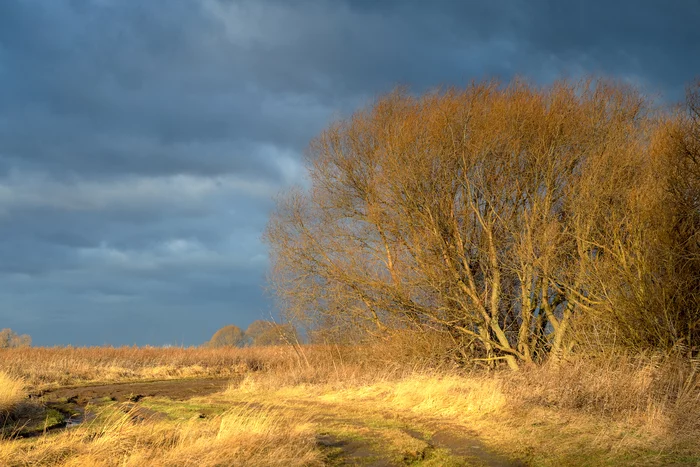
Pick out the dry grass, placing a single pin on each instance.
(642, 410)
(61, 366)
(611, 410)
(618, 385)
(12, 394)
(241, 436)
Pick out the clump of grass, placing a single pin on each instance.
(12, 394)
(659, 394)
(240, 436)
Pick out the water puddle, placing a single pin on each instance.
(78, 417)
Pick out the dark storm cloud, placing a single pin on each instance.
(657, 40)
(132, 87)
(141, 142)
(653, 42)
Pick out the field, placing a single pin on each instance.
(320, 405)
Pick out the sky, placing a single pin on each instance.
(142, 142)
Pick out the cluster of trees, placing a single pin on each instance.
(521, 222)
(9, 339)
(259, 333)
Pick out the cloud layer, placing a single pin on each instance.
(142, 143)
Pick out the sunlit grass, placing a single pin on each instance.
(12, 393)
(240, 436)
(604, 411)
(584, 411)
(61, 366)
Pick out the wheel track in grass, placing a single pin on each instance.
(348, 437)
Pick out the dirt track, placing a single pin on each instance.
(122, 392)
(348, 450)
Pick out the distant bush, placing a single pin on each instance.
(9, 338)
(228, 336)
(269, 333)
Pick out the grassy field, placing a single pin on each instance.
(42, 367)
(332, 406)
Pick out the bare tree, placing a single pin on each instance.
(262, 332)
(9, 338)
(500, 216)
(680, 154)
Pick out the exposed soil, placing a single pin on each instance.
(346, 452)
(68, 404)
(341, 450)
(469, 447)
(464, 446)
(132, 392)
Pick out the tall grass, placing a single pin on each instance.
(609, 407)
(11, 394)
(241, 436)
(60, 366)
(51, 366)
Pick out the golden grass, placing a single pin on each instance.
(12, 394)
(61, 366)
(484, 405)
(586, 411)
(240, 436)
(607, 410)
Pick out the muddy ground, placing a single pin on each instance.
(121, 392)
(348, 438)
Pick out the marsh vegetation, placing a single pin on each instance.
(340, 405)
(496, 275)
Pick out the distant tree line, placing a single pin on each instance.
(9, 339)
(523, 223)
(259, 333)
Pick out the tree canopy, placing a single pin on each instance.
(519, 220)
(228, 336)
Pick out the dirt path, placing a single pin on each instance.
(67, 407)
(457, 448)
(385, 439)
(172, 389)
(466, 445)
(348, 437)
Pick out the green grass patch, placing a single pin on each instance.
(184, 410)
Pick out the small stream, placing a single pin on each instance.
(78, 417)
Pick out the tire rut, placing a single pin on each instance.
(457, 440)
